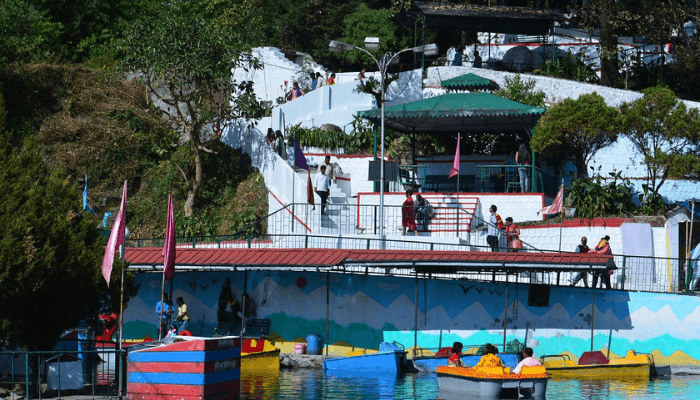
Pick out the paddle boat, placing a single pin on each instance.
(595, 365)
(430, 363)
(492, 382)
(259, 355)
(389, 360)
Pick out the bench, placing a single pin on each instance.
(441, 183)
(259, 328)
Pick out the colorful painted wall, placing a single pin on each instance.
(365, 310)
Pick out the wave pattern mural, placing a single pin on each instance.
(366, 310)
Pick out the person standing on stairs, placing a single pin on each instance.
(323, 188)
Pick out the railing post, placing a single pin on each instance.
(250, 240)
(624, 271)
(375, 220)
(688, 277)
(457, 216)
(26, 374)
(194, 242)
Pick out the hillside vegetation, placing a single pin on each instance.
(92, 123)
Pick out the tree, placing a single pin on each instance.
(186, 54)
(26, 34)
(524, 92)
(577, 129)
(666, 133)
(50, 251)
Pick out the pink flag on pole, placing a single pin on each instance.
(556, 205)
(455, 164)
(116, 238)
(169, 246)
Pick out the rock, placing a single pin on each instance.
(518, 59)
(331, 127)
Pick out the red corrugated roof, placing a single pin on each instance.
(335, 257)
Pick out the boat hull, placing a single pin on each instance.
(491, 388)
(266, 361)
(602, 372)
(377, 363)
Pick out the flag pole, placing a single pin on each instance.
(162, 306)
(561, 226)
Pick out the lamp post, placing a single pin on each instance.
(373, 44)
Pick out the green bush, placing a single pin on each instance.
(569, 67)
(593, 198)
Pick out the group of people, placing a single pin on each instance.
(275, 139)
(490, 358)
(316, 82)
(415, 215)
(496, 228)
(454, 58)
(603, 247)
(181, 324)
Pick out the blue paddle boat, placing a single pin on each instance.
(388, 361)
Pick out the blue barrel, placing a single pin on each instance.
(314, 344)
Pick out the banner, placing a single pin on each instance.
(169, 245)
(116, 238)
(455, 164)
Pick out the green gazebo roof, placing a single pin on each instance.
(458, 112)
(469, 82)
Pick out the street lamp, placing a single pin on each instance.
(373, 44)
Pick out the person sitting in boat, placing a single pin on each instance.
(490, 357)
(527, 361)
(454, 360)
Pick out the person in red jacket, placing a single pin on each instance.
(454, 360)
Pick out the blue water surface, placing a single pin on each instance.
(314, 384)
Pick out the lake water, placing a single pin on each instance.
(314, 384)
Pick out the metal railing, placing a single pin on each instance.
(51, 374)
(634, 273)
(506, 179)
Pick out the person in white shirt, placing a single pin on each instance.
(323, 188)
(527, 361)
(494, 228)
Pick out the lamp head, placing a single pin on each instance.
(338, 47)
(372, 43)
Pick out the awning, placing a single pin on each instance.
(459, 112)
(151, 259)
(476, 18)
(469, 82)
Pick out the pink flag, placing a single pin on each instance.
(116, 238)
(169, 246)
(455, 164)
(556, 204)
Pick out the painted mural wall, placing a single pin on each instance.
(366, 310)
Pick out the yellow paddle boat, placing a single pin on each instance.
(595, 365)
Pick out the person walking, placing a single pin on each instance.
(296, 91)
(581, 248)
(280, 146)
(513, 235)
(323, 188)
(183, 315)
(603, 247)
(423, 211)
(494, 228)
(408, 215)
(314, 80)
(522, 158)
(163, 310)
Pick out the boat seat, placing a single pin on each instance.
(257, 328)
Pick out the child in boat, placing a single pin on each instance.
(490, 357)
(454, 360)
